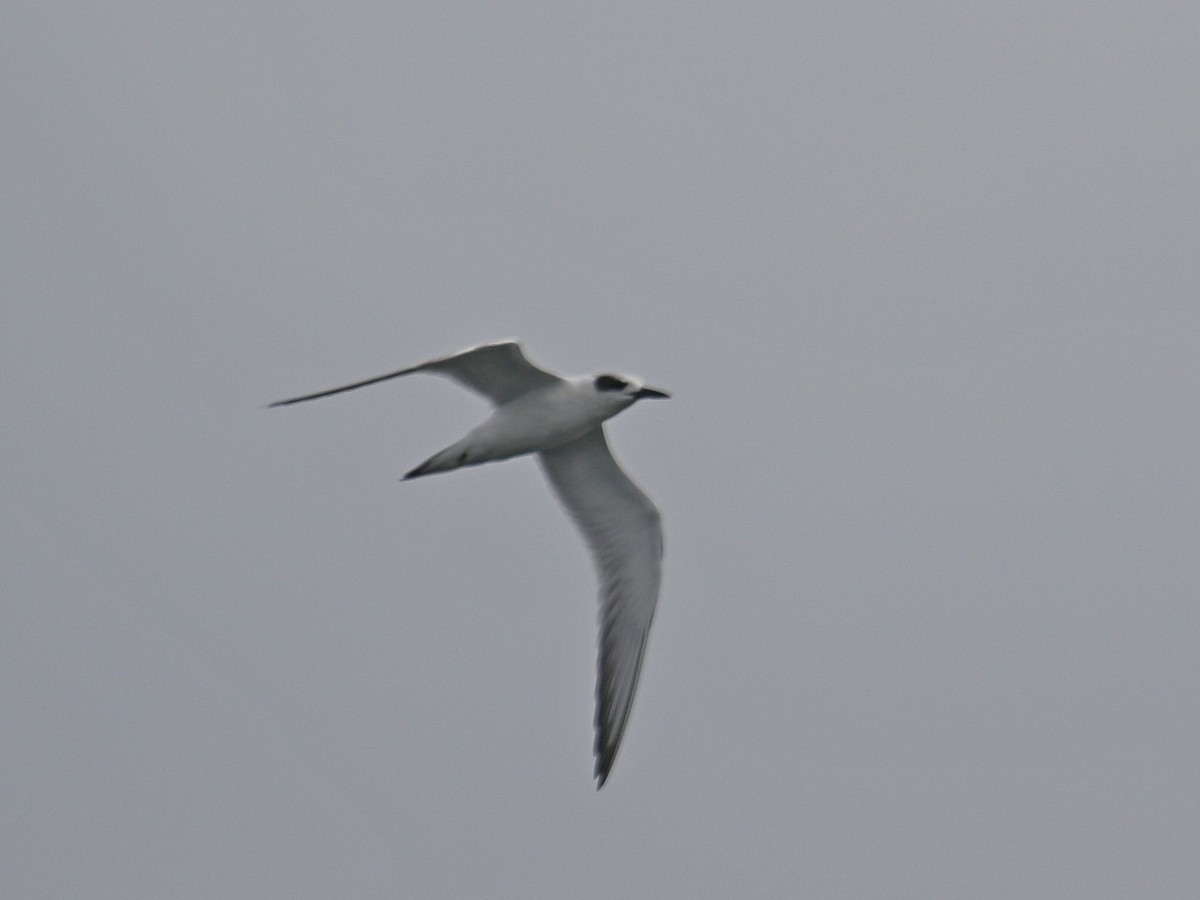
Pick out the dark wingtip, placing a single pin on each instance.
(604, 763)
(288, 402)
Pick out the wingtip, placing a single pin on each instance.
(289, 401)
(604, 764)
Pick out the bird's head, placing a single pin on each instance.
(625, 389)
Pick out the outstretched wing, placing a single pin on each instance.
(500, 372)
(623, 529)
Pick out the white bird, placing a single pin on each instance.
(561, 420)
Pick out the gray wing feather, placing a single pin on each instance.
(499, 371)
(623, 529)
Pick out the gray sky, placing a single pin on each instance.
(923, 281)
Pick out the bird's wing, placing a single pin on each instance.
(500, 372)
(623, 529)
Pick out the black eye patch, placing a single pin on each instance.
(610, 383)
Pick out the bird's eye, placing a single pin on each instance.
(610, 383)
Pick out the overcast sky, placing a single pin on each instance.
(922, 279)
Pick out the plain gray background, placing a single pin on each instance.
(923, 280)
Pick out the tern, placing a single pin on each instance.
(562, 421)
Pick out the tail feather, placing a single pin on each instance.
(422, 469)
(443, 461)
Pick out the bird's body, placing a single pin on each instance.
(544, 417)
(561, 420)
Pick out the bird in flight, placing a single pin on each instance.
(561, 420)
